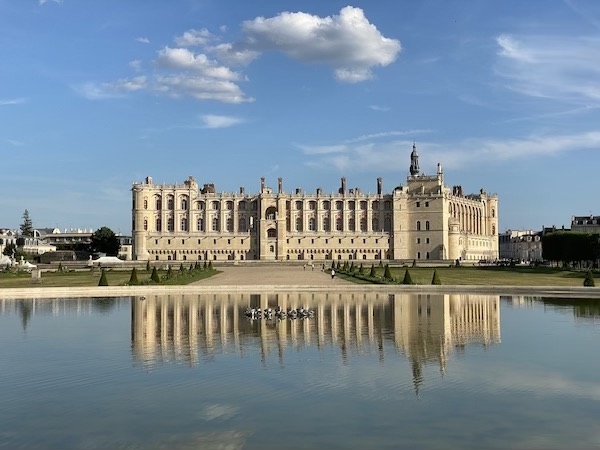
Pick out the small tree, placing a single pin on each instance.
(210, 265)
(104, 240)
(436, 279)
(148, 266)
(387, 275)
(103, 281)
(372, 273)
(181, 268)
(414, 263)
(352, 267)
(133, 279)
(345, 267)
(407, 278)
(361, 270)
(27, 225)
(205, 266)
(154, 277)
(10, 250)
(589, 279)
(169, 273)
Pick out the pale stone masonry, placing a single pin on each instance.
(421, 220)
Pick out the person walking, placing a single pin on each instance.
(332, 274)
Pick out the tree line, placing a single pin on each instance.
(571, 248)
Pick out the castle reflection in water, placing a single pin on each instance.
(424, 327)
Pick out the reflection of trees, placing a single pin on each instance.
(581, 308)
(25, 312)
(104, 304)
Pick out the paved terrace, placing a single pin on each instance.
(273, 278)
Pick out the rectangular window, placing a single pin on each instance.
(418, 240)
(312, 241)
(340, 241)
(299, 241)
(326, 241)
(352, 241)
(199, 241)
(427, 240)
(183, 241)
(418, 204)
(169, 241)
(364, 241)
(228, 241)
(214, 241)
(426, 204)
(155, 241)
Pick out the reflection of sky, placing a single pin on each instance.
(77, 370)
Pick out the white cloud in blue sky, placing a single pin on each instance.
(505, 95)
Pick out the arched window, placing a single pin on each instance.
(242, 206)
(184, 203)
(170, 202)
(184, 224)
(200, 205)
(493, 229)
(339, 205)
(158, 201)
(326, 205)
(299, 205)
(145, 203)
(375, 206)
(375, 224)
(493, 212)
(387, 205)
(270, 213)
(215, 206)
(215, 224)
(145, 224)
(158, 224)
(242, 224)
(418, 225)
(272, 233)
(200, 224)
(387, 224)
(351, 205)
(427, 225)
(171, 224)
(312, 224)
(363, 224)
(363, 205)
(229, 224)
(229, 205)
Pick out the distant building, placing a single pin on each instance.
(423, 220)
(585, 224)
(520, 245)
(7, 237)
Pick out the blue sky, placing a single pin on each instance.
(95, 95)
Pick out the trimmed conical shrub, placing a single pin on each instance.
(589, 279)
(372, 273)
(154, 277)
(181, 268)
(103, 281)
(380, 264)
(169, 273)
(387, 275)
(352, 267)
(436, 278)
(210, 267)
(361, 270)
(345, 267)
(414, 264)
(148, 266)
(407, 278)
(133, 279)
(205, 266)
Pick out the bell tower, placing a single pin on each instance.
(414, 161)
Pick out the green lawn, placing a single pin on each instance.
(489, 276)
(91, 278)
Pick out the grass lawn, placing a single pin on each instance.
(487, 276)
(92, 277)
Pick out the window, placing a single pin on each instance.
(427, 225)
(298, 223)
(199, 241)
(299, 205)
(427, 240)
(418, 255)
(145, 224)
(493, 212)
(215, 224)
(170, 203)
(426, 204)
(418, 204)
(229, 224)
(228, 241)
(325, 205)
(427, 255)
(351, 225)
(339, 241)
(375, 224)
(200, 224)
(171, 224)
(184, 203)
(351, 205)
(271, 213)
(155, 241)
(363, 224)
(183, 242)
(184, 224)
(229, 205)
(312, 224)
(158, 203)
(145, 204)
(312, 206)
(387, 224)
(418, 225)
(215, 205)
(418, 240)
(242, 224)
(338, 224)
(339, 205)
(325, 223)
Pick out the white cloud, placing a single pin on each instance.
(382, 157)
(100, 91)
(348, 42)
(379, 108)
(229, 54)
(12, 101)
(143, 40)
(43, 2)
(215, 121)
(136, 65)
(322, 149)
(557, 68)
(181, 58)
(15, 143)
(194, 38)
(201, 88)
(385, 134)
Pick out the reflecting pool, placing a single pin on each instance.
(365, 371)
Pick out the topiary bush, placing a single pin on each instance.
(407, 278)
(154, 277)
(387, 275)
(372, 273)
(103, 281)
(589, 279)
(133, 279)
(436, 279)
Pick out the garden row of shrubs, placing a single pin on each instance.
(169, 276)
(382, 275)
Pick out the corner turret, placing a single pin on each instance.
(414, 161)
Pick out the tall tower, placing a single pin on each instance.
(414, 161)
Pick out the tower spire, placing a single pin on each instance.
(414, 161)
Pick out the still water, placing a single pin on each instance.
(367, 371)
